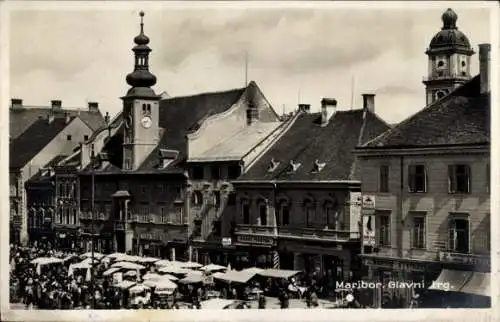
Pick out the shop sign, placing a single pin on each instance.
(368, 202)
(466, 259)
(368, 230)
(261, 240)
(226, 241)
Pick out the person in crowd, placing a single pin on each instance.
(262, 301)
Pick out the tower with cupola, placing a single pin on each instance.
(140, 107)
(449, 55)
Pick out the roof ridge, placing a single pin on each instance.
(440, 101)
(205, 93)
(360, 140)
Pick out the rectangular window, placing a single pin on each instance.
(263, 215)
(215, 172)
(418, 232)
(217, 228)
(74, 217)
(197, 173)
(458, 233)
(217, 199)
(417, 178)
(197, 228)
(309, 216)
(246, 214)
(68, 137)
(384, 230)
(285, 215)
(383, 178)
(233, 171)
(85, 137)
(459, 178)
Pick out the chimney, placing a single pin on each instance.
(50, 117)
(328, 108)
(93, 107)
(56, 104)
(369, 102)
(67, 117)
(484, 67)
(306, 108)
(16, 103)
(106, 118)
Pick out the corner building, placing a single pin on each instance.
(428, 180)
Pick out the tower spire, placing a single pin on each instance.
(141, 77)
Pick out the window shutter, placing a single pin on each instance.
(452, 179)
(411, 178)
(425, 178)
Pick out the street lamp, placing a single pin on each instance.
(92, 280)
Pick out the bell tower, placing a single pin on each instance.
(140, 107)
(449, 55)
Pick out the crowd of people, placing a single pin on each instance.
(57, 286)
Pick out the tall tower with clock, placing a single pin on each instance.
(449, 55)
(140, 107)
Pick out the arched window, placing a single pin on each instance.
(197, 198)
(60, 192)
(309, 211)
(245, 211)
(41, 217)
(68, 218)
(263, 212)
(284, 213)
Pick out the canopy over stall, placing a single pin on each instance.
(138, 288)
(125, 284)
(236, 276)
(147, 259)
(174, 270)
(111, 271)
(89, 254)
(278, 273)
(213, 268)
(192, 278)
(128, 265)
(162, 262)
(46, 260)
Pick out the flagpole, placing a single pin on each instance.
(92, 281)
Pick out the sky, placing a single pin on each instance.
(294, 54)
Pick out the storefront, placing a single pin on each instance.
(320, 258)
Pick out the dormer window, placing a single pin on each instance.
(167, 157)
(318, 166)
(273, 165)
(292, 167)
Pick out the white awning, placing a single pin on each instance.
(111, 271)
(478, 284)
(235, 276)
(451, 280)
(278, 273)
(216, 304)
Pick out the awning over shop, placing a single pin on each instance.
(451, 280)
(478, 284)
(121, 193)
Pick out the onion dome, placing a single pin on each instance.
(450, 36)
(141, 39)
(141, 76)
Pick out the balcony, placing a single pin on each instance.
(298, 233)
(462, 258)
(87, 215)
(312, 234)
(254, 230)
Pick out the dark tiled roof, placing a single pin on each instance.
(306, 141)
(33, 140)
(461, 118)
(21, 118)
(178, 116)
(40, 176)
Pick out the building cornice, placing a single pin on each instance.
(483, 148)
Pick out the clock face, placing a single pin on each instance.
(146, 122)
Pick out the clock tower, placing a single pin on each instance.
(449, 55)
(140, 107)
